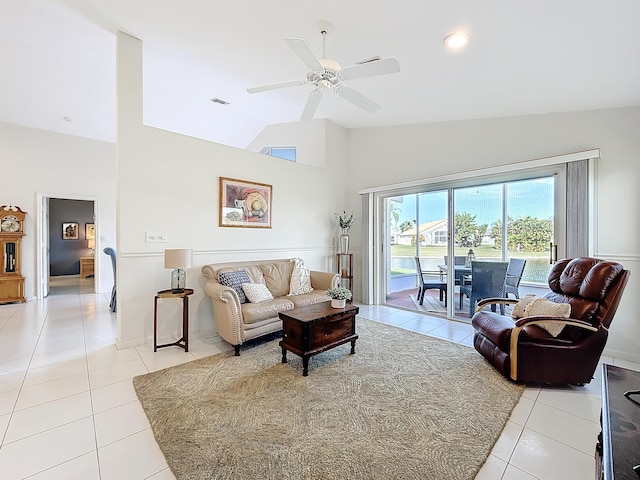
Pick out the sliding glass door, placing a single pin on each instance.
(419, 230)
(526, 207)
(448, 228)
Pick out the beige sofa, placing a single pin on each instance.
(238, 322)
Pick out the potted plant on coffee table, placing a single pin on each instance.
(339, 296)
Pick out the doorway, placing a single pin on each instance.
(68, 242)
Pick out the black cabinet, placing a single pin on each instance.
(618, 447)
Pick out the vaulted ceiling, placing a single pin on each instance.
(58, 61)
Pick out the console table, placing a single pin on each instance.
(618, 447)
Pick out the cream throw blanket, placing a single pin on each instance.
(530, 305)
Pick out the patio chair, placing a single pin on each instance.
(514, 275)
(459, 260)
(527, 349)
(428, 281)
(487, 281)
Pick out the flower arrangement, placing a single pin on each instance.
(339, 293)
(345, 221)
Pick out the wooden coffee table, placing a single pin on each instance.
(311, 330)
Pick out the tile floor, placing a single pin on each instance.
(68, 409)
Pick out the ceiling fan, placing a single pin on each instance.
(327, 75)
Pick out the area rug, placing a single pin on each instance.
(405, 406)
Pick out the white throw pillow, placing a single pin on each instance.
(542, 306)
(256, 292)
(300, 278)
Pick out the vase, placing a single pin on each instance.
(344, 242)
(337, 303)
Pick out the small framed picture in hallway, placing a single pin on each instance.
(70, 231)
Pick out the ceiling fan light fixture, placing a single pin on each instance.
(325, 74)
(456, 40)
(323, 86)
(330, 65)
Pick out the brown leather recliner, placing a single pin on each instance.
(525, 352)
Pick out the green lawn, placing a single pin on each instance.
(536, 270)
(410, 251)
(481, 251)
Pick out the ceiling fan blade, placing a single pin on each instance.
(357, 99)
(311, 105)
(370, 69)
(273, 86)
(302, 49)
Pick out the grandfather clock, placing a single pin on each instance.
(11, 233)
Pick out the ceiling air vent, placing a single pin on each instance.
(219, 100)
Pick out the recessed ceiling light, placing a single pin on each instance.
(456, 40)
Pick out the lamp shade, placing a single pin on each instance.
(178, 258)
(91, 243)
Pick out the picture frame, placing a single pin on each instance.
(70, 230)
(245, 204)
(90, 231)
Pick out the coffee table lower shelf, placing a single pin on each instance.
(308, 331)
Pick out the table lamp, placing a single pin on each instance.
(91, 243)
(178, 259)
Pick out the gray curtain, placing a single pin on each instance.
(367, 252)
(577, 237)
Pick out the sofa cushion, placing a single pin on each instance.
(256, 292)
(277, 277)
(235, 279)
(256, 274)
(311, 298)
(253, 313)
(300, 278)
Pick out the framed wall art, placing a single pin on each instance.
(70, 231)
(90, 231)
(244, 204)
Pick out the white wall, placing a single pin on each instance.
(169, 183)
(412, 152)
(55, 165)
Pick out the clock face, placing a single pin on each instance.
(10, 223)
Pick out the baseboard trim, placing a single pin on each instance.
(618, 354)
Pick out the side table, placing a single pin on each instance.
(184, 341)
(86, 267)
(344, 262)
